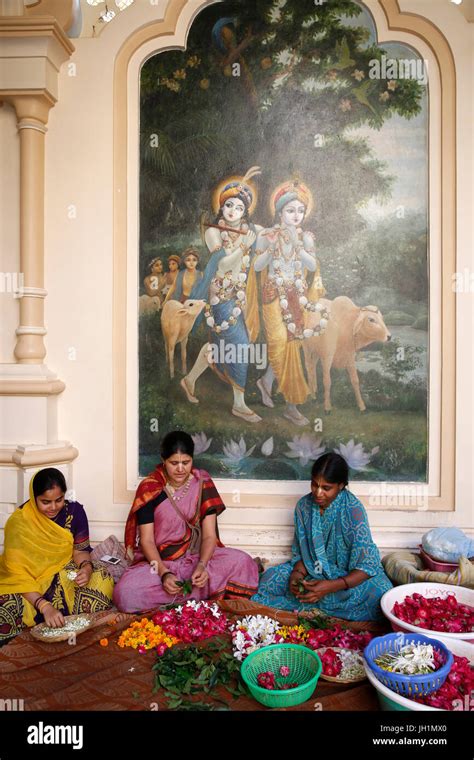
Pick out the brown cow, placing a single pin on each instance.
(177, 320)
(349, 329)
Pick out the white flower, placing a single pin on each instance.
(214, 301)
(236, 311)
(283, 303)
(354, 454)
(291, 327)
(210, 321)
(253, 632)
(279, 281)
(226, 282)
(234, 452)
(323, 322)
(305, 448)
(201, 443)
(240, 295)
(303, 300)
(267, 447)
(298, 283)
(224, 325)
(307, 333)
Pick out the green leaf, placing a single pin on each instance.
(174, 703)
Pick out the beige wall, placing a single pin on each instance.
(78, 277)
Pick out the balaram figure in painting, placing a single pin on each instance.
(284, 253)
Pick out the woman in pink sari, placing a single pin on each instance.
(172, 534)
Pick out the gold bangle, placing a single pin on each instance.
(41, 606)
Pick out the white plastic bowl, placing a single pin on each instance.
(459, 648)
(428, 590)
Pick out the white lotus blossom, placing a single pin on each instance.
(305, 448)
(234, 451)
(267, 447)
(201, 443)
(354, 454)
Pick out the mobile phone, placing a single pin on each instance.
(109, 558)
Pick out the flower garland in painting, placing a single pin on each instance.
(228, 288)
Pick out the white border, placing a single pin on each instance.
(274, 487)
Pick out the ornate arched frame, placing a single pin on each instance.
(392, 25)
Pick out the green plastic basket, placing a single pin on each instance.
(305, 669)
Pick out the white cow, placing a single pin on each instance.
(349, 329)
(177, 320)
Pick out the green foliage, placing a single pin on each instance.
(198, 670)
(393, 254)
(399, 360)
(302, 73)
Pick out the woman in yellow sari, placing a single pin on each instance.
(45, 570)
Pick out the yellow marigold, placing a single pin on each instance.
(145, 634)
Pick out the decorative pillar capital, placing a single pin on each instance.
(32, 109)
(32, 51)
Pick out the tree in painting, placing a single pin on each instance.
(285, 86)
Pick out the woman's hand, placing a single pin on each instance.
(296, 578)
(170, 585)
(315, 590)
(83, 575)
(52, 617)
(200, 576)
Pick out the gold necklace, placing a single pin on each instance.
(183, 489)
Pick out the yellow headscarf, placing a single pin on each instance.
(36, 548)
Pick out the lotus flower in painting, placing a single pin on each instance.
(305, 447)
(354, 454)
(234, 452)
(201, 443)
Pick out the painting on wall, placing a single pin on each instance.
(284, 289)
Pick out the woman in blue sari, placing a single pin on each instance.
(335, 565)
